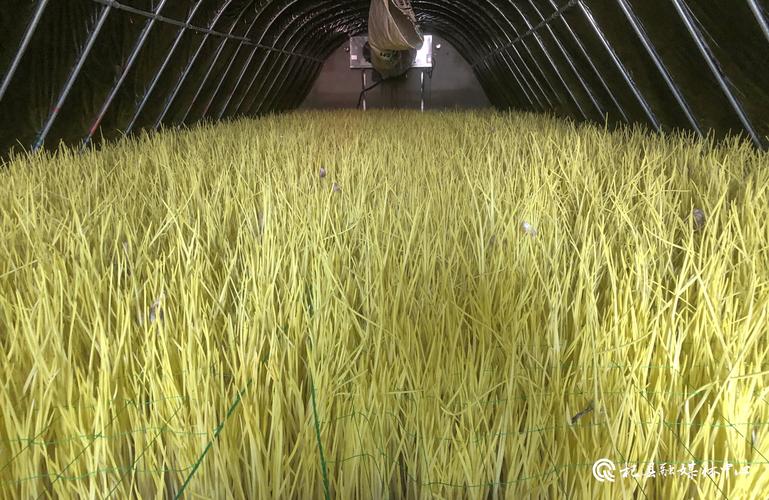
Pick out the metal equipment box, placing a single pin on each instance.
(423, 58)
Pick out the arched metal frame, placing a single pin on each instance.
(266, 31)
(326, 12)
(191, 63)
(264, 56)
(489, 25)
(212, 63)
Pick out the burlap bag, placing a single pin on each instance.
(393, 36)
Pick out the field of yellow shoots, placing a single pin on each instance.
(459, 305)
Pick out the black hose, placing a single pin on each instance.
(362, 92)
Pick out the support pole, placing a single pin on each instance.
(186, 72)
(760, 17)
(533, 30)
(159, 72)
(23, 47)
(595, 69)
(422, 90)
(71, 80)
(569, 60)
(363, 73)
(621, 67)
(649, 46)
(710, 59)
(148, 25)
(212, 65)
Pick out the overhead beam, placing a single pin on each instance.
(190, 27)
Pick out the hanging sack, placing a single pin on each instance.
(393, 36)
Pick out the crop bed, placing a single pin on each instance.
(475, 305)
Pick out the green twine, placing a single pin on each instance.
(211, 442)
(320, 444)
(323, 468)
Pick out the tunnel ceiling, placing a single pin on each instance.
(82, 70)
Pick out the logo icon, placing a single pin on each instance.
(603, 470)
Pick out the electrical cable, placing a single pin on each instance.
(363, 92)
(370, 87)
(432, 68)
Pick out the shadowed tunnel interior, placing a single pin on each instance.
(80, 70)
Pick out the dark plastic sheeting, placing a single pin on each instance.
(76, 70)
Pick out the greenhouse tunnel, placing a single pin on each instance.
(247, 250)
(75, 70)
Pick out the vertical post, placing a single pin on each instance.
(23, 47)
(621, 67)
(649, 46)
(126, 68)
(710, 60)
(363, 73)
(159, 72)
(422, 90)
(72, 77)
